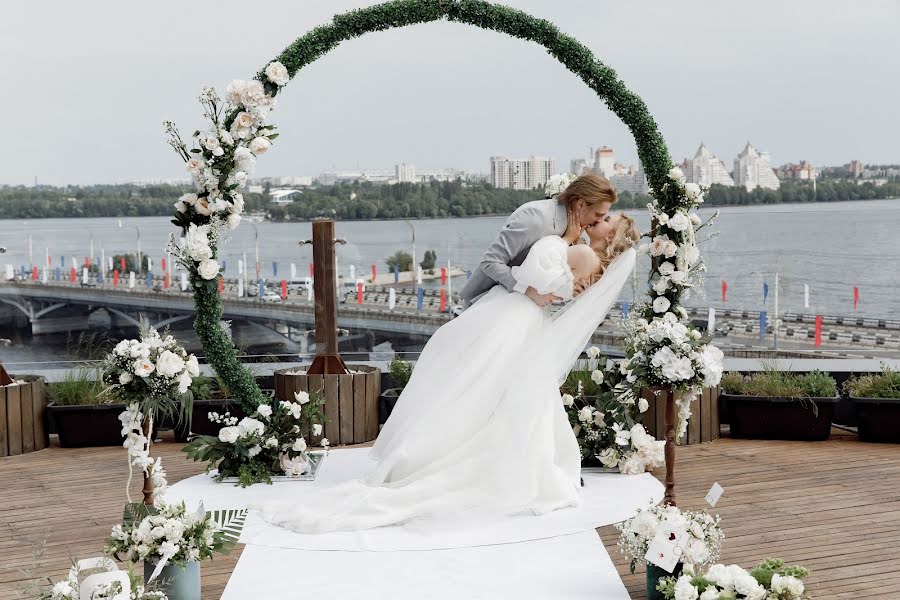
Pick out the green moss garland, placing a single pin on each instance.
(400, 13)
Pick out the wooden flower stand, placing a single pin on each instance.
(22, 410)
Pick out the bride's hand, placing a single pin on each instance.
(584, 283)
(573, 227)
(541, 300)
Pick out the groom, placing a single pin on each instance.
(585, 202)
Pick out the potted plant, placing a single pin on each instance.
(209, 396)
(702, 542)
(605, 417)
(83, 411)
(770, 579)
(780, 405)
(876, 398)
(399, 372)
(267, 444)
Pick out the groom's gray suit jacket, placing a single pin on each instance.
(529, 223)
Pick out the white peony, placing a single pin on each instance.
(666, 268)
(586, 414)
(169, 364)
(272, 442)
(661, 285)
(233, 220)
(568, 400)
(234, 90)
(299, 445)
(679, 222)
(684, 590)
(597, 376)
(208, 268)
(277, 73)
(229, 435)
(711, 358)
(192, 366)
(593, 352)
(125, 378)
(301, 397)
(692, 191)
(643, 405)
(254, 450)
(260, 145)
(676, 174)
(644, 524)
(317, 429)
(678, 369)
(184, 382)
(244, 160)
(264, 410)
(196, 242)
(711, 593)
(250, 426)
(293, 467)
(695, 220)
(143, 367)
(661, 304)
(679, 277)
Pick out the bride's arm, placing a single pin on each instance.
(546, 268)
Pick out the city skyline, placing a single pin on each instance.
(435, 90)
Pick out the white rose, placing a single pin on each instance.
(598, 419)
(711, 593)
(692, 191)
(586, 414)
(597, 376)
(568, 400)
(679, 222)
(208, 268)
(662, 218)
(593, 352)
(277, 73)
(226, 138)
(254, 450)
(125, 378)
(661, 304)
(325, 443)
(301, 397)
(611, 365)
(169, 364)
(233, 91)
(661, 285)
(679, 277)
(608, 457)
(264, 410)
(317, 429)
(294, 466)
(684, 590)
(194, 165)
(233, 220)
(677, 174)
(272, 442)
(237, 203)
(202, 207)
(299, 445)
(229, 435)
(643, 405)
(259, 145)
(143, 367)
(184, 382)
(695, 219)
(211, 142)
(666, 268)
(192, 366)
(240, 178)
(250, 426)
(180, 206)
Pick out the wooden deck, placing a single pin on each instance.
(833, 506)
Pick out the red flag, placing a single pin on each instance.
(164, 264)
(72, 275)
(359, 292)
(374, 273)
(34, 273)
(87, 261)
(724, 290)
(818, 331)
(116, 277)
(166, 280)
(284, 289)
(311, 270)
(443, 300)
(122, 263)
(443, 275)
(221, 284)
(855, 297)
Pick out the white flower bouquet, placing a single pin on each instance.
(169, 533)
(269, 442)
(605, 413)
(153, 375)
(131, 587)
(557, 183)
(769, 580)
(703, 543)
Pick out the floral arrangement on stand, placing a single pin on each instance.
(220, 160)
(662, 348)
(704, 540)
(270, 442)
(153, 375)
(605, 412)
(70, 587)
(769, 580)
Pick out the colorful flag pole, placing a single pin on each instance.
(818, 332)
(805, 295)
(240, 291)
(359, 292)
(283, 290)
(855, 297)
(374, 273)
(293, 271)
(724, 290)
(765, 292)
(392, 298)
(711, 321)
(625, 309)
(309, 289)
(396, 273)
(443, 307)
(762, 324)
(421, 300)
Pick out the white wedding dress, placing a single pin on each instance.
(480, 429)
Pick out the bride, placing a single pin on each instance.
(480, 428)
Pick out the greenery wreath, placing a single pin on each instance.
(221, 158)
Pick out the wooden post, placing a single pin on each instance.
(669, 498)
(327, 361)
(148, 481)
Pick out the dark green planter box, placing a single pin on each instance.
(878, 419)
(88, 425)
(654, 574)
(386, 403)
(773, 418)
(200, 423)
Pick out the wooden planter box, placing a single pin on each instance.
(878, 419)
(703, 426)
(80, 426)
(22, 409)
(351, 401)
(772, 418)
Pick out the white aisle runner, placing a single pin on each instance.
(568, 567)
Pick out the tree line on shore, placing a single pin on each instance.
(363, 201)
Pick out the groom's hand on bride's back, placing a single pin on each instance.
(541, 300)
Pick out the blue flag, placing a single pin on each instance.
(421, 301)
(468, 274)
(62, 261)
(396, 273)
(100, 277)
(57, 274)
(262, 289)
(149, 279)
(762, 324)
(765, 291)
(625, 308)
(275, 268)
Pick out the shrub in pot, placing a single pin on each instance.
(780, 405)
(82, 411)
(876, 398)
(399, 372)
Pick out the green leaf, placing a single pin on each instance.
(230, 523)
(135, 512)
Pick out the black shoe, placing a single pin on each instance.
(582, 481)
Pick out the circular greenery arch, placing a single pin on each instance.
(577, 58)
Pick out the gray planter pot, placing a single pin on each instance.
(177, 582)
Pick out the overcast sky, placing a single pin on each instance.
(86, 84)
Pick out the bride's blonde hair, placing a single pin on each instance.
(625, 236)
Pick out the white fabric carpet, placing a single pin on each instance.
(608, 498)
(569, 567)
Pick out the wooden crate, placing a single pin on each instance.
(22, 410)
(703, 426)
(351, 401)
